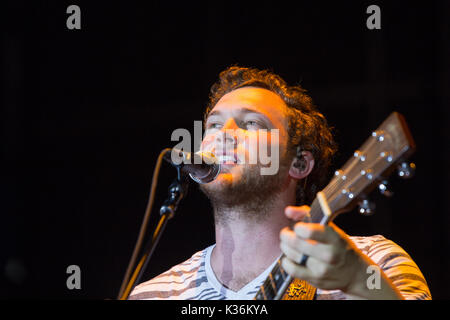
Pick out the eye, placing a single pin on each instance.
(253, 124)
(213, 125)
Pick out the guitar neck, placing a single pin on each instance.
(278, 280)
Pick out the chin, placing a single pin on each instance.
(228, 180)
(223, 180)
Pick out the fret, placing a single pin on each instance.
(263, 293)
(283, 274)
(270, 292)
(272, 283)
(278, 275)
(259, 295)
(269, 288)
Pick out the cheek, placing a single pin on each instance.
(269, 142)
(257, 144)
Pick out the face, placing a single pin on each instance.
(247, 132)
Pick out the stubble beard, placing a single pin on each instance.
(250, 197)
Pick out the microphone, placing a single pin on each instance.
(202, 167)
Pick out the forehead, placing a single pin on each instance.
(255, 99)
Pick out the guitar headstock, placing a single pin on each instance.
(385, 150)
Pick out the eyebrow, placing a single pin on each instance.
(242, 110)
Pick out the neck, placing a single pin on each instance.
(247, 244)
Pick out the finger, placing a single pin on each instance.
(288, 237)
(296, 270)
(294, 247)
(317, 232)
(315, 272)
(291, 252)
(297, 213)
(319, 269)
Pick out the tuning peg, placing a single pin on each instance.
(385, 189)
(406, 170)
(366, 207)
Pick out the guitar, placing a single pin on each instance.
(384, 151)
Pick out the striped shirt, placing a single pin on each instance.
(194, 279)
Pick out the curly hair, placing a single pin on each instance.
(308, 129)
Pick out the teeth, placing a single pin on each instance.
(225, 158)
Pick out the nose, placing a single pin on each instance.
(227, 134)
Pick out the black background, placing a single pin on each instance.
(86, 112)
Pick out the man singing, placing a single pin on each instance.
(258, 214)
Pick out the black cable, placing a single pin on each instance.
(143, 230)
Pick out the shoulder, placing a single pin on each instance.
(381, 250)
(371, 244)
(172, 282)
(396, 263)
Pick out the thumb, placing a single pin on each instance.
(296, 213)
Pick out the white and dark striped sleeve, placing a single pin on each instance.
(183, 281)
(399, 268)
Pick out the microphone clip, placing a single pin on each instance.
(177, 191)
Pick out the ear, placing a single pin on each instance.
(301, 167)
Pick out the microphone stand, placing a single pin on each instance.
(177, 190)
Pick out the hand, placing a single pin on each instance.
(333, 261)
